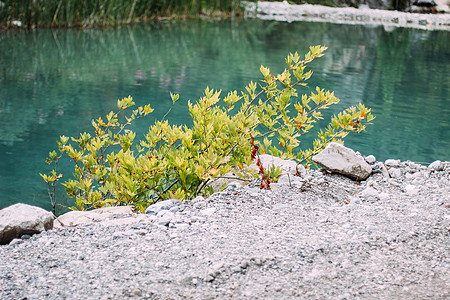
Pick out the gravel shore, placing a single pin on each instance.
(283, 11)
(322, 236)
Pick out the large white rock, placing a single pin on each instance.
(19, 219)
(340, 159)
(442, 6)
(75, 218)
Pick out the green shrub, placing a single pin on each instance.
(178, 161)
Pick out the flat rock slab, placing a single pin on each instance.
(76, 218)
(20, 219)
(340, 159)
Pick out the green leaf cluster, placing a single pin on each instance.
(173, 161)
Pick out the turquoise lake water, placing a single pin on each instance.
(54, 82)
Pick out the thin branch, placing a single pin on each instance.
(202, 186)
(167, 189)
(56, 12)
(237, 178)
(131, 12)
(173, 104)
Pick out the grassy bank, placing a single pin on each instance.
(90, 13)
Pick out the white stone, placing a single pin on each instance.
(289, 179)
(442, 6)
(301, 171)
(275, 187)
(182, 226)
(383, 196)
(372, 183)
(370, 192)
(162, 213)
(16, 241)
(230, 180)
(416, 175)
(384, 170)
(411, 190)
(436, 166)
(370, 159)
(417, 181)
(392, 163)
(340, 159)
(208, 211)
(19, 219)
(199, 205)
(258, 221)
(165, 216)
(194, 219)
(235, 185)
(280, 206)
(198, 199)
(395, 173)
(161, 205)
(414, 166)
(128, 220)
(380, 167)
(75, 218)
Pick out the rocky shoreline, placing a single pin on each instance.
(321, 235)
(283, 11)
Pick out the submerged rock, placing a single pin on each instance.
(340, 159)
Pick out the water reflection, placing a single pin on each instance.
(55, 82)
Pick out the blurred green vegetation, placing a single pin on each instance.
(102, 13)
(88, 13)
